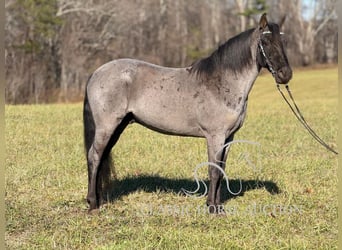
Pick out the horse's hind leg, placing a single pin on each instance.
(96, 152)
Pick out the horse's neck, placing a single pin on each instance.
(241, 83)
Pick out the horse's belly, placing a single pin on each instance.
(176, 119)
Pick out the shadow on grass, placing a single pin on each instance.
(120, 188)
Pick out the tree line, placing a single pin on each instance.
(52, 46)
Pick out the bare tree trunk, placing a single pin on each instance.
(163, 7)
(241, 5)
(215, 17)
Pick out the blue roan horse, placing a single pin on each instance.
(207, 99)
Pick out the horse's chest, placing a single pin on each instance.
(234, 120)
(234, 112)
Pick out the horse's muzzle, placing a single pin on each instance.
(283, 75)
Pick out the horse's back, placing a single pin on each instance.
(124, 71)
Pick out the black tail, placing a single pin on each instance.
(106, 166)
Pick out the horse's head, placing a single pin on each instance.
(271, 52)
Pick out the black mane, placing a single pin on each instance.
(235, 54)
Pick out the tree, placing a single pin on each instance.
(248, 10)
(31, 49)
(52, 46)
(303, 31)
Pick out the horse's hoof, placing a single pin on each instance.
(212, 209)
(94, 211)
(217, 210)
(221, 213)
(93, 205)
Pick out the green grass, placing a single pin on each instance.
(46, 180)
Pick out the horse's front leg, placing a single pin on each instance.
(214, 199)
(217, 154)
(215, 151)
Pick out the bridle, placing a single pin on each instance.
(268, 62)
(294, 108)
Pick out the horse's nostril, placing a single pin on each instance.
(281, 73)
(284, 74)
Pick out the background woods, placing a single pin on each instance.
(52, 46)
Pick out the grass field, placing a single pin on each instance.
(288, 201)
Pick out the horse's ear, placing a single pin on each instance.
(263, 22)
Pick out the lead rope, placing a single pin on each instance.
(301, 119)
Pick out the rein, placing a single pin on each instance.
(298, 114)
(294, 108)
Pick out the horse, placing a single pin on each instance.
(208, 100)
